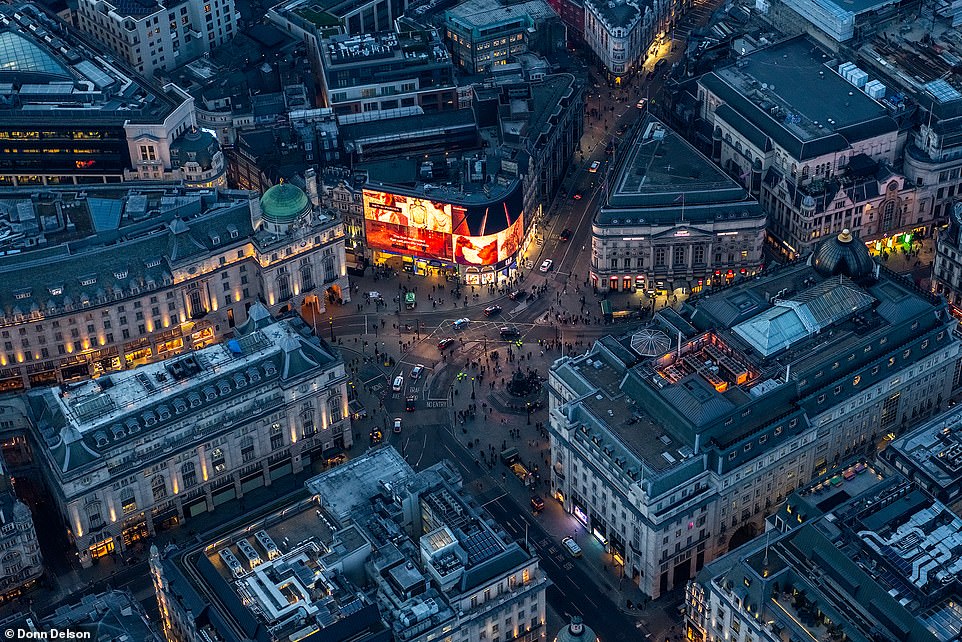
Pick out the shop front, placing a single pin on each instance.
(101, 548)
(135, 531)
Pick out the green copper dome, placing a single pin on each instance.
(283, 204)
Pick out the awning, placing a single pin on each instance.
(680, 284)
(606, 307)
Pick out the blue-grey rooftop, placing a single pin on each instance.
(788, 93)
(660, 176)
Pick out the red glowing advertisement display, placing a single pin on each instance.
(489, 249)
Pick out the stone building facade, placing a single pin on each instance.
(125, 297)
(134, 452)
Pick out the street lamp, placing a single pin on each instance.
(330, 321)
(528, 404)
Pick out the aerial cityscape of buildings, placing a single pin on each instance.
(481, 320)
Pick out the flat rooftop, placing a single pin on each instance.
(55, 74)
(666, 178)
(350, 485)
(485, 13)
(936, 447)
(787, 92)
(283, 573)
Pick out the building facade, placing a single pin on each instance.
(816, 152)
(667, 231)
(73, 117)
(137, 451)
(372, 76)
(671, 446)
(129, 297)
(838, 576)
(931, 456)
(484, 35)
(151, 36)
(20, 556)
(402, 556)
(619, 32)
(947, 267)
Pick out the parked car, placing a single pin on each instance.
(572, 547)
(416, 371)
(546, 266)
(398, 383)
(444, 344)
(492, 310)
(537, 503)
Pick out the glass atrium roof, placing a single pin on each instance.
(19, 54)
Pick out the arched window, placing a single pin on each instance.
(247, 449)
(334, 409)
(307, 278)
(158, 485)
(283, 287)
(308, 427)
(12, 563)
(188, 474)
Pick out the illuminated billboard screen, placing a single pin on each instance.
(467, 234)
(406, 240)
(407, 211)
(489, 249)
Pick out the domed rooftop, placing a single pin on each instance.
(195, 146)
(843, 254)
(284, 203)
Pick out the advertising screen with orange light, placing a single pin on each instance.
(490, 249)
(485, 234)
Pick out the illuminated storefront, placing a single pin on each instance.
(478, 239)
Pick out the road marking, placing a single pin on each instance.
(437, 404)
(494, 499)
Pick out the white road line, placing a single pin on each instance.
(494, 499)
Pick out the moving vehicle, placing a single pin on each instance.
(416, 371)
(565, 234)
(577, 196)
(537, 503)
(491, 310)
(518, 295)
(374, 296)
(376, 436)
(443, 344)
(510, 333)
(546, 266)
(398, 383)
(594, 166)
(409, 301)
(641, 103)
(572, 547)
(461, 323)
(409, 402)
(397, 425)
